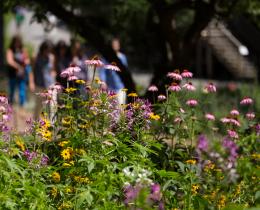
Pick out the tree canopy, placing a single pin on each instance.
(159, 34)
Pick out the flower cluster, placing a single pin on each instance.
(5, 114)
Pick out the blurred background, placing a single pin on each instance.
(217, 40)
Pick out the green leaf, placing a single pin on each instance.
(91, 166)
(169, 174)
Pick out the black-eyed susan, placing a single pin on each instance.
(132, 95)
(69, 164)
(222, 201)
(54, 192)
(20, 144)
(70, 90)
(194, 189)
(80, 81)
(63, 143)
(191, 162)
(154, 116)
(66, 153)
(55, 176)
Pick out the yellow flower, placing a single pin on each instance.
(55, 176)
(255, 156)
(71, 163)
(47, 135)
(47, 123)
(20, 144)
(194, 189)
(222, 201)
(192, 162)
(97, 80)
(154, 116)
(209, 166)
(65, 205)
(54, 192)
(68, 190)
(124, 89)
(70, 90)
(66, 121)
(238, 190)
(213, 195)
(81, 179)
(132, 95)
(136, 106)
(63, 143)
(84, 126)
(80, 81)
(80, 151)
(66, 153)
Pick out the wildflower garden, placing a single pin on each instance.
(187, 150)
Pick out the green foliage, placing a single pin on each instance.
(96, 154)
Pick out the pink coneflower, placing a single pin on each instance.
(153, 88)
(3, 99)
(210, 117)
(232, 134)
(72, 78)
(161, 97)
(192, 102)
(94, 62)
(225, 120)
(47, 95)
(189, 86)
(174, 87)
(234, 112)
(177, 120)
(246, 101)
(250, 115)
(175, 75)
(70, 71)
(210, 88)
(186, 74)
(2, 109)
(56, 87)
(112, 67)
(235, 122)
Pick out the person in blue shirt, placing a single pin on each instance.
(116, 47)
(113, 82)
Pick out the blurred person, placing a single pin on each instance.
(44, 75)
(62, 60)
(19, 70)
(113, 82)
(112, 78)
(78, 58)
(116, 47)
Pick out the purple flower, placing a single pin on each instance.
(131, 193)
(44, 160)
(155, 192)
(29, 155)
(202, 143)
(231, 147)
(257, 128)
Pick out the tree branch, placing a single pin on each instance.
(92, 33)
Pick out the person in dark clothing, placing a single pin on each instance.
(44, 73)
(62, 60)
(19, 70)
